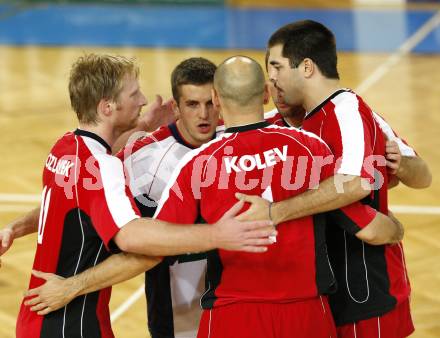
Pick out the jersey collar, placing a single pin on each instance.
(323, 103)
(97, 138)
(247, 127)
(175, 132)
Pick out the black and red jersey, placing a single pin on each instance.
(275, 163)
(274, 117)
(371, 279)
(84, 204)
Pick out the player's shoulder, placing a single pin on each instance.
(210, 149)
(66, 140)
(158, 138)
(348, 101)
(299, 135)
(274, 117)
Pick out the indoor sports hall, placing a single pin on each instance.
(389, 53)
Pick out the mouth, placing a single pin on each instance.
(204, 128)
(281, 105)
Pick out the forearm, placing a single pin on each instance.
(333, 193)
(414, 172)
(115, 269)
(382, 230)
(25, 225)
(157, 238)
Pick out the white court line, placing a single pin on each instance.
(24, 198)
(402, 51)
(19, 203)
(415, 210)
(4, 208)
(128, 303)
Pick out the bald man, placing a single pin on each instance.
(277, 293)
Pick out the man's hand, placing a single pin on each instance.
(393, 156)
(157, 114)
(259, 209)
(250, 236)
(52, 295)
(6, 240)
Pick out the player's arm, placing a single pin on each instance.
(414, 172)
(382, 230)
(332, 193)
(367, 224)
(158, 238)
(157, 114)
(57, 291)
(22, 226)
(410, 169)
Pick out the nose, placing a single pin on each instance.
(272, 74)
(143, 100)
(204, 112)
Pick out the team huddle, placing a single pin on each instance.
(247, 224)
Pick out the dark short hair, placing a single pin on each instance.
(308, 39)
(195, 71)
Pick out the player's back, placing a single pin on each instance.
(275, 163)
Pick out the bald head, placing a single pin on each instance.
(239, 81)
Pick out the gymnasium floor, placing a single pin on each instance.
(389, 54)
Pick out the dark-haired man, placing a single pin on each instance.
(373, 294)
(174, 286)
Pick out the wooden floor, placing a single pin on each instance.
(34, 111)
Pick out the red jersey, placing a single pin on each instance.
(371, 279)
(275, 163)
(84, 204)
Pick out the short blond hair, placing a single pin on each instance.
(95, 77)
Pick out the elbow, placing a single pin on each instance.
(123, 241)
(378, 238)
(127, 241)
(426, 181)
(398, 234)
(371, 238)
(420, 177)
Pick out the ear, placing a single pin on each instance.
(266, 93)
(106, 107)
(308, 67)
(215, 99)
(175, 108)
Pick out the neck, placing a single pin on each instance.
(187, 136)
(108, 135)
(239, 117)
(318, 91)
(294, 121)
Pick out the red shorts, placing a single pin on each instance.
(302, 319)
(395, 324)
